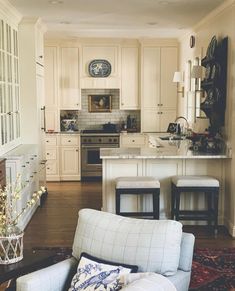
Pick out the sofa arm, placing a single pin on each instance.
(52, 278)
(186, 252)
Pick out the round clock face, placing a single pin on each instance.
(99, 68)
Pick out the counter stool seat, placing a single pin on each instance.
(138, 186)
(195, 184)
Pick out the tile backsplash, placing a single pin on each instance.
(94, 120)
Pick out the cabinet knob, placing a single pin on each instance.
(133, 140)
(76, 150)
(48, 168)
(41, 57)
(69, 140)
(48, 154)
(122, 103)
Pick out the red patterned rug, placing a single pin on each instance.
(213, 269)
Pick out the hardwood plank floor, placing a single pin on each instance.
(54, 223)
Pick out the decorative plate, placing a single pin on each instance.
(99, 68)
(215, 71)
(208, 72)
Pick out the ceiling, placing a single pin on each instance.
(121, 18)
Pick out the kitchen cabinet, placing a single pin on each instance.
(2, 173)
(133, 140)
(129, 93)
(32, 83)
(52, 157)
(159, 93)
(70, 157)
(24, 161)
(9, 85)
(63, 157)
(70, 95)
(51, 88)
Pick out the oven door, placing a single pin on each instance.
(91, 162)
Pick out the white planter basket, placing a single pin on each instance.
(11, 248)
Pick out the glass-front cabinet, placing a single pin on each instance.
(9, 86)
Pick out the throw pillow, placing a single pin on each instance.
(96, 274)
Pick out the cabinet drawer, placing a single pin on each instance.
(51, 154)
(51, 140)
(51, 168)
(129, 140)
(69, 140)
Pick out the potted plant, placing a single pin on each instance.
(11, 236)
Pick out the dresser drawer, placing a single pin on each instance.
(69, 140)
(51, 140)
(51, 167)
(51, 154)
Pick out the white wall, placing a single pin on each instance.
(221, 22)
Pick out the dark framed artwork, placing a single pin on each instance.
(99, 103)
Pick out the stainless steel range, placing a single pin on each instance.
(91, 142)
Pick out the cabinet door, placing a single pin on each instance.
(150, 120)
(166, 117)
(51, 77)
(169, 63)
(39, 46)
(69, 165)
(51, 119)
(129, 78)
(151, 77)
(69, 79)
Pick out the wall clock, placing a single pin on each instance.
(99, 68)
(192, 41)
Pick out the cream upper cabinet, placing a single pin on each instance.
(169, 64)
(70, 95)
(151, 72)
(108, 52)
(159, 93)
(51, 77)
(40, 46)
(129, 93)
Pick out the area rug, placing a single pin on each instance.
(212, 270)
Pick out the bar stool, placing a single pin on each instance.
(138, 185)
(195, 184)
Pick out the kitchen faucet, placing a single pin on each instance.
(179, 131)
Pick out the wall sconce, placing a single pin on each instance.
(197, 74)
(178, 78)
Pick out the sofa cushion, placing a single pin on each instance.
(152, 245)
(146, 281)
(95, 274)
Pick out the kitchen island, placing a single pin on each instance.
(163, 160)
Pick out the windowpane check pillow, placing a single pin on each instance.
(96, 274)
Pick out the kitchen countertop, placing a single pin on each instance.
(161, 150)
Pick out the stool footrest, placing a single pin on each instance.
(136, 213)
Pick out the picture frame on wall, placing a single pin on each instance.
(99, 103)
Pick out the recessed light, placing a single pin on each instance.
(163, 2)
(55, 2)
(152, 23)
(65, 22)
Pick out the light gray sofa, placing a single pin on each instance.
(154, 245)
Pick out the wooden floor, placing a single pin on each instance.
(54, 223)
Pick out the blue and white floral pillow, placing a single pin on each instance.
(94, 274)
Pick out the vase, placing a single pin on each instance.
(11, 245)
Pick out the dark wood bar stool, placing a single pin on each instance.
(195, 184)
(138, 186)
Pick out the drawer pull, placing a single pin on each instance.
(69, 140)
(23, 166)
(133, 140)
(48, 154)
(48, 168)
(47, 140)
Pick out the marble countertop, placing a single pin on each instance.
(162, 150)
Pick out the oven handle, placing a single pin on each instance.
(100, 146)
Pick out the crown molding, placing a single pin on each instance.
(9, 13)
(220, 9)
(34, 21)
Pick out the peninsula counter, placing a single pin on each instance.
(163, 161)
